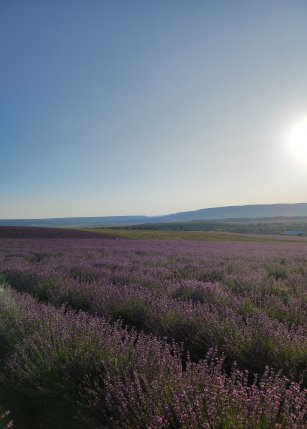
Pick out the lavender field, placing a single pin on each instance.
(118, 333)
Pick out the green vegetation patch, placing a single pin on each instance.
(138, 234)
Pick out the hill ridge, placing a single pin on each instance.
(254, 211)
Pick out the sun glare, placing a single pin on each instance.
(297, 141)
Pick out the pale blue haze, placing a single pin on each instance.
(149, 107)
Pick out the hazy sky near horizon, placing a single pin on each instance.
(150, 107)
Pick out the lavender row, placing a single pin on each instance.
(252, 340)
(161, 271)
(66, 370)
(271, 278)
(249, 301)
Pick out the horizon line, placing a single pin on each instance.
(151, 216)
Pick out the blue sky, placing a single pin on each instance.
(150, 107)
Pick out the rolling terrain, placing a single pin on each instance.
(221, 213)
(296, 226)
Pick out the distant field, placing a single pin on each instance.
(138, 234)
(261, 226)
(38, 232)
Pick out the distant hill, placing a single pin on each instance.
(281, 225)
(242, 212)
(215, 213)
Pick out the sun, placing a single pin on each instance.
(297, 141)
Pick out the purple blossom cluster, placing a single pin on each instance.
(144, 334)
(5, 422)
(76, 370)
